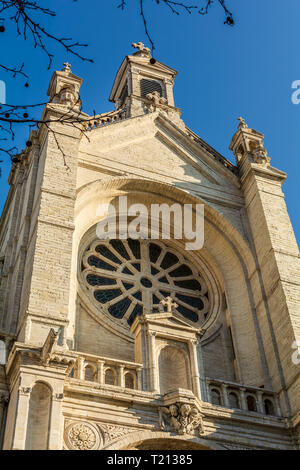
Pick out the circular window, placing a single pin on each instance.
(132, 276)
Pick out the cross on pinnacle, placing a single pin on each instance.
(169, 303)
(141, 47)
(67, 67)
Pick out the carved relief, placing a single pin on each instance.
(182, 418)
(260, 156)
(112, 432)
(82, 436)
(155, 101)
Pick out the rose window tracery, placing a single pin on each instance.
(127, 276)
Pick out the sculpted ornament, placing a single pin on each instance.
(182, 418)
(156, 101)
(82, 436)
(260, 156)
(68, 96)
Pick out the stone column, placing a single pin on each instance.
(277, 406)
(139, 378)
(225, 395)
(208, 396)
(243, 399)
(100, 371)
(21, 417)
(80, 368)
(260, 403)
(153, 363)
(56, 422)
(121, 381)
(194, 366)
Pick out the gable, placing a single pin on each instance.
(152, 148)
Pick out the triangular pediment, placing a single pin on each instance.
(170, 320)
(155, 147)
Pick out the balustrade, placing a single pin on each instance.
(236, 396)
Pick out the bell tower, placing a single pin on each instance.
(143, 82)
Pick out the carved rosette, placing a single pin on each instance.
(82, 436)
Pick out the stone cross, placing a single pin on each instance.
(141, 47)
(67, 67)
(168, 301)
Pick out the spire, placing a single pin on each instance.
(141, 75)
(248, 144)
(64, 87)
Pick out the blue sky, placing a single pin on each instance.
(224, 72)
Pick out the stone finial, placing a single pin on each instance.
(141, 48)
(66, 67)
(168, 302)
(242, 124)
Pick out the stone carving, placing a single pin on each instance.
(66, 67)
(260, 156)
(141, 48)
(169, 303)
(242, 124)
(182, 418)
(82, 436)
(25, 390)
(111, 432)
(155, 101)
(49, 346)
(68, 96)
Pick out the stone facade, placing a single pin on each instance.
(141, 344)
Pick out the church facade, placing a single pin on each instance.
(136, 342)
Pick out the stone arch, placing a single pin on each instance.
(110, 376)
(173, 369)
(158, 439)
(90, 372)
(225, 251)
(38, 422)
(129, 380)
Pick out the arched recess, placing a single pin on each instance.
(225, 252)
(38, 423)
(173, 369)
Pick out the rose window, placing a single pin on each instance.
(130, 277)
